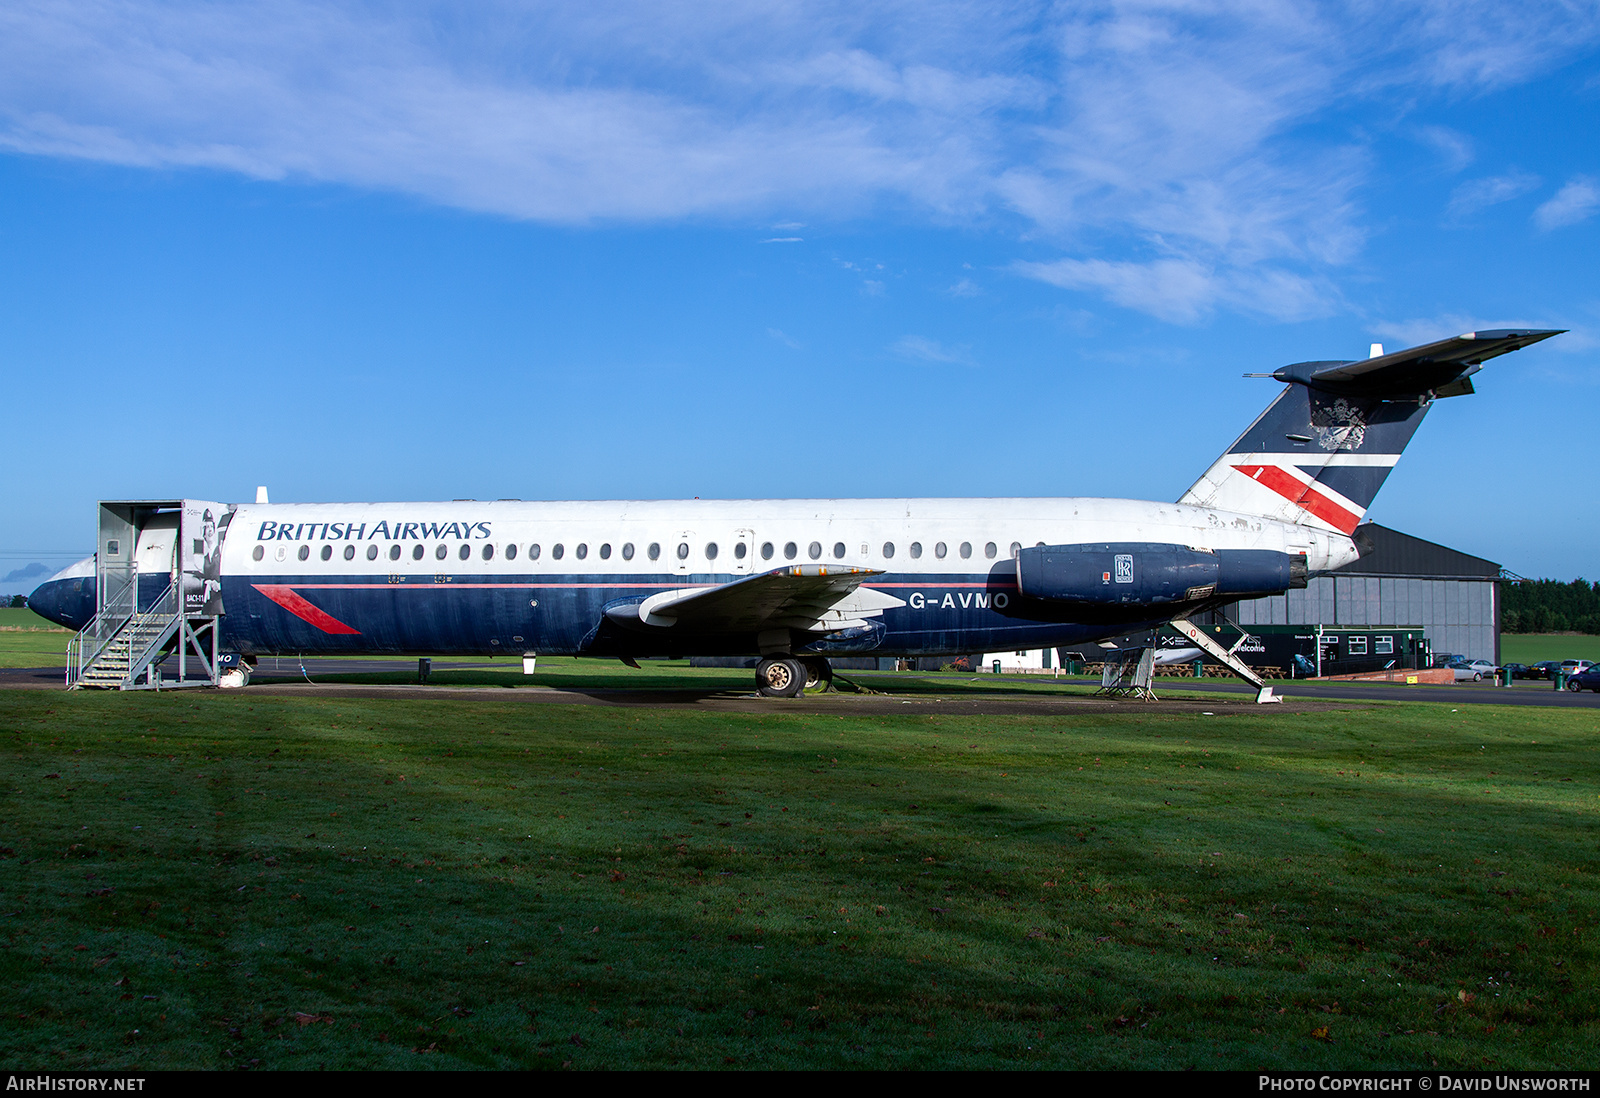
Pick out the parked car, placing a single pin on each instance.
(1475, 670)
(1587, 679)
(1518, 670)
(1445, 659)
(1544, 669)
(1570, 668)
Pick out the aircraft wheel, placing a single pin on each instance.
(819, 674)
(781, 677)
(235, 679)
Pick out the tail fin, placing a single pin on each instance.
(1319, 453)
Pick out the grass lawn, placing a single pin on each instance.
(1533, 648)
(27, 640)
(235, 880)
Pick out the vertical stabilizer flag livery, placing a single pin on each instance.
(790, 582)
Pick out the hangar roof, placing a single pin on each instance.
(1397, 554)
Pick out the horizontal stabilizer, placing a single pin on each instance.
(1417, 370)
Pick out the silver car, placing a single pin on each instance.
(1472, 670)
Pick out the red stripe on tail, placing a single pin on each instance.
(285, 596)
(1302, 495)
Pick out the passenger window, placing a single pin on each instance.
(1016, 548)
(349, 552)
(394, 552)
(327, 552)
(966, 550)
(654, 552)
(711, 550)
(533, 551)
(916, 550)
(305, 552)
(511, 552)
(466, 551)
(605, 551)
(416, 552)
(888, 549)
(766, 550)
(627, 550)
(838, 550)
(488, 552)
(939, 549)
(257, 553)
(815, 549)
(789, 550)
(440, 552)
(557, 551)
(372, 552)
(989, 549)
(582, 550)
(740, 550)
(683, 550)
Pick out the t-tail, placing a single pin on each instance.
(1319, 453)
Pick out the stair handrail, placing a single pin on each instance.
(119, 608)
(166, 606)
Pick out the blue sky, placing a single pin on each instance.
(374, 251)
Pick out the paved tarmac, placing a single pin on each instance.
(919, 694)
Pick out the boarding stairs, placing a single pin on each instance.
(129, 640)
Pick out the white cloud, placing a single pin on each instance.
(1479, 194)
(965, 288)
(1184, 291)
(1152, 127)
(783, 338)
(922, 349)
(1420, 330)
(1575, 202)
(1454, 147)
(782, 240)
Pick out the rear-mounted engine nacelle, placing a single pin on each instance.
(1154, 573)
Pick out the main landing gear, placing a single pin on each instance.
(789, 677)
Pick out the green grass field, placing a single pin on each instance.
(235, 880)
(1536, 647)
(27, 640)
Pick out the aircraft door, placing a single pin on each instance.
(744, 551)
(156, 556)
(683, 551)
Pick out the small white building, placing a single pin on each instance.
(1031, 662)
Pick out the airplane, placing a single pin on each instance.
(791, 582)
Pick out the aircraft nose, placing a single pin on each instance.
(64, 602)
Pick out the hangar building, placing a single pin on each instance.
(1404, 581)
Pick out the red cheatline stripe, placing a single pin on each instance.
(285, 597)
(1301, 495)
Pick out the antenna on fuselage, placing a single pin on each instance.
(261, 494)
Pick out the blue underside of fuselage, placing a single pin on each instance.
(565, 615)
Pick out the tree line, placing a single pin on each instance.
(1550, 606)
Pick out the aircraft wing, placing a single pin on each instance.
(818, 598)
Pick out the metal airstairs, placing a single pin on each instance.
(129, 640)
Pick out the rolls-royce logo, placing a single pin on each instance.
(1124, 565)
